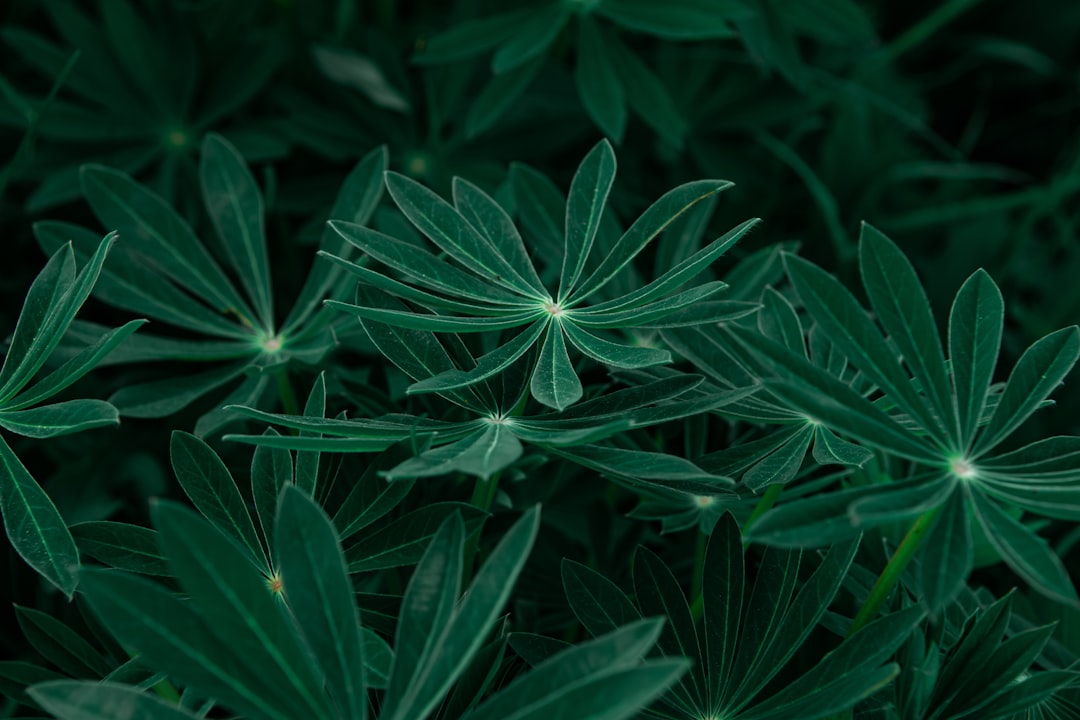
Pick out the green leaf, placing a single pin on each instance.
(75, 368)
(307, 462)
(16, 677)
(455, 643)
(782, 465)
(74, 700)
(647, 94)
(45, 295)
(1024, 551)
(584, 207)
(132, 548)
(159, 398)
(655, 468)
(466, 39)
(236, 602)
(319, 593)
(488, 217)
(60, 645)
(847, 325)
(426, 609)
(372, 496)
(162, 238)
(532, 37)
(62, 418)
(125, 283)
(537, 691)
(947, 556)
(212, 490)
(235, 206)
(649, 224)
(597, 602)
(541, 208)
(500, 94)
(597, 81)
(1037, 373)
(437, 323)
(171, 637)
(666, 312)
(487, 365)
(975, 326)
(903, 309)
(825, 399)
(614, 354)
(46, 324)
(403, 541)
(830, 449)
(488, 450)
(33, 525)
(722, 597)
(554, 382)
(677, 20)
(453, 234)
(271, 471)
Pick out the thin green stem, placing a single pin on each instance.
(482, 498)
(765, 504)
(890, 576)
(286, 392)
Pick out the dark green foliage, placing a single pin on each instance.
(447, 388)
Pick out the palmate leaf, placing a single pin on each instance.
(497, 288)
(940, 426)
(748, 637)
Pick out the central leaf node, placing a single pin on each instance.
(553, 308)
(961, 468)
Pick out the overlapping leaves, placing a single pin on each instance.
(165, 272)
(495, 287)
(232, 642)
(947, 418)
(750, 632)
(33, 525)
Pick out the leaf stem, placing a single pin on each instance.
(764, 505)
(482, 498)
(286, 392)
(890, 576)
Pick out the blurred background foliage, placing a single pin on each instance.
(954, 127)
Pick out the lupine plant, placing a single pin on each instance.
(385, 399)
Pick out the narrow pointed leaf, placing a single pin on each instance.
(62, 418)
(319, 593)
(1024, 551)
(1037, 373)
(171, 637)
(164, 240)
(127, 547)
(403, 541)
(60, 645)
(903, 309)
(33, 525)
(487, 365)
(533, 35)
(235, 206)
(584, 207)
(487, 216)
(81, 700)
(598, 603)
(212, 490)
(425, 610)
(554, 382)
(159, 398)
(482, 453)
(946, 556)
(975, 327)
(446, 227)
(236, 602)
(597, 82)
(614, 354)
(649, 224)
(307, 462)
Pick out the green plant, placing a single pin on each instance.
(786, 470)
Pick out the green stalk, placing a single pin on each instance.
(894, 569)
(482, 498)
(285, 390)
(765, 504)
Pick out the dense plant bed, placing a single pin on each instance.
(579, 360)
